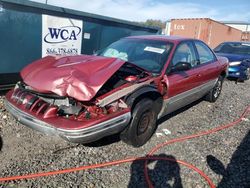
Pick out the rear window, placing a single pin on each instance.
(205, 54)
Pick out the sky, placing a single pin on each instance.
(141, 10)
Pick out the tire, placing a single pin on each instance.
(214, 93)
(142, 125)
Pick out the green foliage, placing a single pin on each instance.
(153, 23)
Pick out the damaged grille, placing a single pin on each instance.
(51, 105)
(31, 102)
(46, 105)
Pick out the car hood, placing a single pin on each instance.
(79, 77)
(234, 57)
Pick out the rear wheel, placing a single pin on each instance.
(214, 94)
(143, 124)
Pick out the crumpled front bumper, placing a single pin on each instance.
(84, 135)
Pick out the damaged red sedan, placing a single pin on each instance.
(123, 89)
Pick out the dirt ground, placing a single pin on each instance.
(223, 156)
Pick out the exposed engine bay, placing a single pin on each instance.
(128, 73)
(52, 105)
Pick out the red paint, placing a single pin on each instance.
(50, 117)
(131, 78)
(50, 112)
(79, 77)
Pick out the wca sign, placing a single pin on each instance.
(62, 34)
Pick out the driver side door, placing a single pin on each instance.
(182, 85)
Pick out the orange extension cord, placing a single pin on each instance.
(148, 157)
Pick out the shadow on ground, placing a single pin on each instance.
(162, 173)
(1, 143)
(104, 141)
(237, 172)
(116, 138)
(235, 80)
(175, 113)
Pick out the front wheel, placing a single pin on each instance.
(143, 124)
(214, 93)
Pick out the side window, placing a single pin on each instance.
(205, 54)
(184, 53)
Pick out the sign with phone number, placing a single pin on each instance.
(61, 36)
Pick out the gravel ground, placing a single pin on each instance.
(223, 156)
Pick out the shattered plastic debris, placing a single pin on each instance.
(158, 134)
(166, 131)
(245, 119)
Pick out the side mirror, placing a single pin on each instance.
(181, 66)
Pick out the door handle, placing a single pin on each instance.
(198, 75)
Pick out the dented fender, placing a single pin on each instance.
(149, 90)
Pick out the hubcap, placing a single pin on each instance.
(217, 89)
(143, 123)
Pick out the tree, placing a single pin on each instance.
(155, 23)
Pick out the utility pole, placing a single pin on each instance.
(46, 1)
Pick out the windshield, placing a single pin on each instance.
(233, 48)
(148, 54)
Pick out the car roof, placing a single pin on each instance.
(236, 42)
(161, 37)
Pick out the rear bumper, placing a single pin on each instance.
(84, 135)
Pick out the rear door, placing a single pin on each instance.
(208, 63)
(208, 66)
